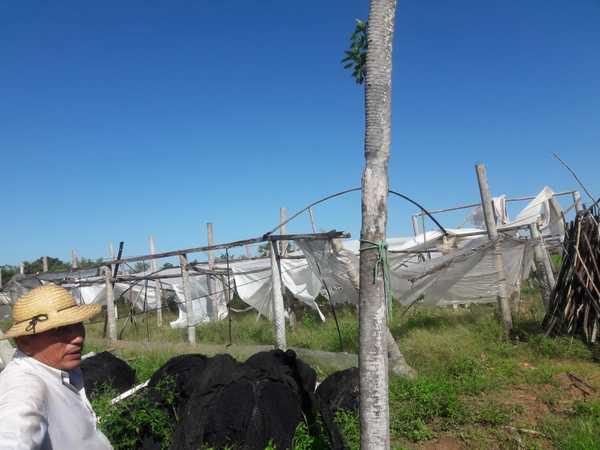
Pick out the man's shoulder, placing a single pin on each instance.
(18, 379)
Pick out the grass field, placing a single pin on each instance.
(473, 391)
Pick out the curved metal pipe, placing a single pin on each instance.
(337, 194)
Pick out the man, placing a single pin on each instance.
(42, 399)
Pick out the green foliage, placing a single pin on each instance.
(349, 426)
(416, 403)
(127, 423)
(580, 432)
(305, 440)
(356, 57)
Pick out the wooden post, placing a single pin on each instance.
(110, 305)
(282, 244)
(211, 304)
(415, 225)
(22, 268)
(157, 289)
(187, 294)
(490, 223)
(577, 201)
(248, 251)
(44, 264)
(278, 308)
(111, 251)
(543, 265)
(0, 277)
(74, 263)
(313, 224)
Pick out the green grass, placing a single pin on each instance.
(467, 375)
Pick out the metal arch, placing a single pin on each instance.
(337, 194)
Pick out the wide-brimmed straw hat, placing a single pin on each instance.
(45, 308)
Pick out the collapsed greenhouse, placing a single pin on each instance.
(447, 266)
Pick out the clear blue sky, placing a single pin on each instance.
(121, 119)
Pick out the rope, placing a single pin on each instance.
(381, 268)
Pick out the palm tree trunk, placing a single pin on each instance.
(373, 358)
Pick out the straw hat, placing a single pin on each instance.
(45, 308)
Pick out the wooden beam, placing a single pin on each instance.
(74, 262)
(282, 243)
(157, 287)
(187, 294)
(543, 265)
(490, 223)
(110, 305)
(313, 224)
(44, 264)
(211, 303)
(278, 307)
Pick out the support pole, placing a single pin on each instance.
(278, 309)
(577, 201)
(0, 277)
(157, 288)
(542, 264)
(211, 304)
(313, 224)
(22, 268)
(248, 251)
(74, 263)
(44, 264)
(282, 244)
(490, 224)
(187, 294)
(110, 305)
(111, 251)
(415, 225)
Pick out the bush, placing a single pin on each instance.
(137, 419)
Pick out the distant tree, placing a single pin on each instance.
(141, 266)
(54, 265)
(167, 266)
(263, 249)
(8, 272)
(84, 263)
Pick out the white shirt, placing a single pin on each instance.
(44, 408)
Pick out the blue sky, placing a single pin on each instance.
(120, 121)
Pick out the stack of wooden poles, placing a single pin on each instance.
(575, 301)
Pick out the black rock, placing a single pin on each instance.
(105, 370)
(339, 391)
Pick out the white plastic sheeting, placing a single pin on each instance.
(545, 210)
(458, 268)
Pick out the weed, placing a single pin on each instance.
(137, 419)
(349, 426)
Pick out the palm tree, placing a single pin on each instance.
(373, 329)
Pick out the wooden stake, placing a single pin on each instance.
(44, 264)
(415, 225)
(542, 263)
(490, 223)
(74, 263)
(187, 294)
(278, 308)
(211, 303)
(110, 305)
(577, 201)
(157, 287)
(111, 251)
(282, 244)
(313, 224)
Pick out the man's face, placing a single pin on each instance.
(59, 348)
